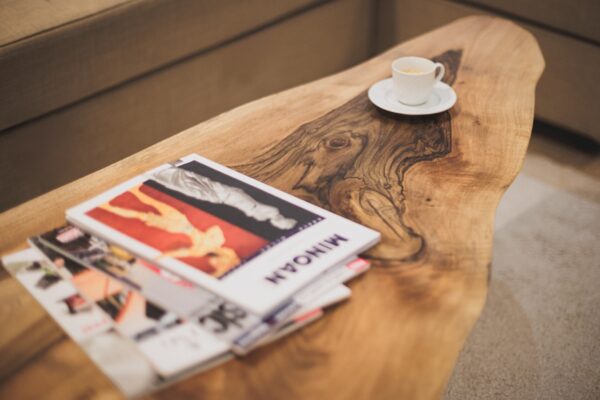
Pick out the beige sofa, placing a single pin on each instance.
(86, 83)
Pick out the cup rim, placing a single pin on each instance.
(407, 58)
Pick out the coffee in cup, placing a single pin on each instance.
(414, 78)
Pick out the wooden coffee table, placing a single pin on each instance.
(430, 185)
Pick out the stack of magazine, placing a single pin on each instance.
(185, 266)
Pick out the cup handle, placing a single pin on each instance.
(440, 71)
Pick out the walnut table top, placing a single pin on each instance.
(429, 184)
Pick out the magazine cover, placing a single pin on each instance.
(241, 239)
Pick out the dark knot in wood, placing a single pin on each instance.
(353, 161)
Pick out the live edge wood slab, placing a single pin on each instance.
(430, 185)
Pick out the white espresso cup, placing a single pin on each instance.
(414, 78)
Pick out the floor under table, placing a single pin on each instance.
(539, 334)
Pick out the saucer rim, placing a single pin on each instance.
(410, 110)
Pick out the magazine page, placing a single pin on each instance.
(214, 314)
(116, 356)
(219, 317)
(157, 284)
(139, 365)
(241, 239)
(170, 344)
(135, 365)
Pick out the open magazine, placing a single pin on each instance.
(228, 322)
(138, 345)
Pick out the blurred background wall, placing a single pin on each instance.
(84, 84)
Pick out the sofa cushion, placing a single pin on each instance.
(55, 53)
(102, 129)
(577, 17)
(22, 19)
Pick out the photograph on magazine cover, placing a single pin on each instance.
(203, 217)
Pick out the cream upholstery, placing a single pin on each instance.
(86, 83)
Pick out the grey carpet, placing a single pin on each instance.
(539, 334)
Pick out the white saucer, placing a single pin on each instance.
(382, 95)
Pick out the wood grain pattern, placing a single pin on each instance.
(430, 185)
(352, 161)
